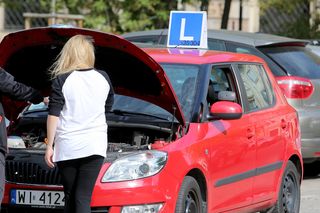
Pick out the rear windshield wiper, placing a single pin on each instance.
(122, 112)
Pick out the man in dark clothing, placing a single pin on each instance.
(18, 91)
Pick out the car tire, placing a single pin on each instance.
(190, 198)
(289, 194)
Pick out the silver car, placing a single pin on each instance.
(295, 66)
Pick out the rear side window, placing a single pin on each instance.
(241, 48)
(297, 61)
(216, 45)
(258, 90)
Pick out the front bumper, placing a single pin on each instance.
(8, 207)
(158, 189)
(15, 209)
(109, 197)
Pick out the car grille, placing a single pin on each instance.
(100, 210)
(31, 173)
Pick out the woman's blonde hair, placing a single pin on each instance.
(77, 53)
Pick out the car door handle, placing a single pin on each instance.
(283, 124)
(250, 133)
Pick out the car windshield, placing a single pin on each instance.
(297, 61)
(183, 80)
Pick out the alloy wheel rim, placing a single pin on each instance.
(289, 193)
(192, 203)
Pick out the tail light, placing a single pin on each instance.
(295, 87)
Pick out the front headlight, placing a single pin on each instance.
(136, 166)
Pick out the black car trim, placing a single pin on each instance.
(249, 174)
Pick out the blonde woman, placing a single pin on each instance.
(76, 124)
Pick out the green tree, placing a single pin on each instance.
(119, 16)
(151, 14)
(115, 16)
(146, 14)
(99, 14)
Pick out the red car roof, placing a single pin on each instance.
(194, 56)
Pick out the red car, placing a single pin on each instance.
(190, 131)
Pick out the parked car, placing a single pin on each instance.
(190, 131)
(296, 68)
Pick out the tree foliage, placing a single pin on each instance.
(115, 16)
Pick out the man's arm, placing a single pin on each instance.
(16, 90)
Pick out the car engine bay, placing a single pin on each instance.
(122, 137)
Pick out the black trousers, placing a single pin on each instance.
(78, 179)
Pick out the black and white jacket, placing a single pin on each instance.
(81, 99)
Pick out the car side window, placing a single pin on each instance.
(221, 79)
(216, 45)
(258, 90)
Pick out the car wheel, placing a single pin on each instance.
(289, 194)
(189, 199)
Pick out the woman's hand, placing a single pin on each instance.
(46, 101)
(48, 156)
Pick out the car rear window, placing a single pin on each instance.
(297, 61)
(213, 44)
(152, 39)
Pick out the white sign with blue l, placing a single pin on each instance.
(188, 29)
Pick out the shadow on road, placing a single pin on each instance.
(311, 170)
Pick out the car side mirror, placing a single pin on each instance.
(226, 96)
(225, 110)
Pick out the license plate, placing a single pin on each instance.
(37, 198)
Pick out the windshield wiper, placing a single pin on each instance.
(122, 112)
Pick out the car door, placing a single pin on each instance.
(232, 151)
(269, 124)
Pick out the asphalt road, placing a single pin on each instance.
(310, 195)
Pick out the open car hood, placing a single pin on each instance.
(28, 54)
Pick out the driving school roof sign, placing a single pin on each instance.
(188, 29)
